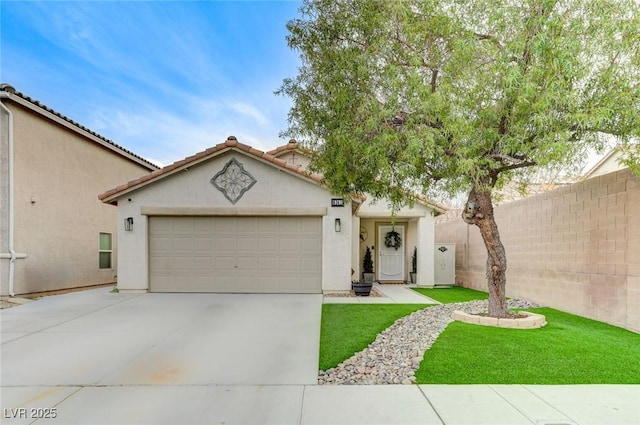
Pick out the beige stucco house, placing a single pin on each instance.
(609, 163)
(236, 219)
(54, 232)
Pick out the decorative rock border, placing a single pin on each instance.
(398, 351)
(532, 321)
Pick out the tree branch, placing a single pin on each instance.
(492, 39)
(509, 167)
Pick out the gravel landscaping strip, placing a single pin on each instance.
(396, 353)
(351, 294)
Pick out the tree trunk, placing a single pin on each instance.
(479, 211)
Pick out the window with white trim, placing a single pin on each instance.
(105, 251)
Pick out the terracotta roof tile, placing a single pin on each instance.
(276, 161)
(292, 145)
(291, 166)
(256, 152)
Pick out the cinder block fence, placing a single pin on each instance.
(576, 249)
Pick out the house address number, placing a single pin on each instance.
(337, 202)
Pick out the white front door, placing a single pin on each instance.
(391, 260)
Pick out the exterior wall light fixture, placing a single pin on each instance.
(128, 224)
(338, 225)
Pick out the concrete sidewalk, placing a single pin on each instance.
(93, 357)
(324, 405)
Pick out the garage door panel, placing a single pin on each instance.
(245, 244)
(182, 243)
(247, 228)
(181, 226)
(223, 225)
(160, 227)
(203, 263)
(224, 262)
(267, 264)
(247, 263)
(311, 265)
(202, 225)
(310, 225)
(307, 284)
(202, 244)
(289, 227)
(268, 244)
(235, 254)
(160, 265)
(182, 265)
(268, 225)
(287, 244)
(225, 244)
(288, 265)
(310, 245)
(161, 243)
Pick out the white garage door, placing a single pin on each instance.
(235, 254)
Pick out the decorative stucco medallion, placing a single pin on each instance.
(233, 181)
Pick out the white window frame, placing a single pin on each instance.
(105, 251)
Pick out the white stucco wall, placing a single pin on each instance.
(426, 245)
(275, 189)
(295, 158)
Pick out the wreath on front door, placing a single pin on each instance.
(393, 240)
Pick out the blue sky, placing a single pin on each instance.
(163, 79)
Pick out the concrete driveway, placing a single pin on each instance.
(89, 349)
(98, 338)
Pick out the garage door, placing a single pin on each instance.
(235, 254)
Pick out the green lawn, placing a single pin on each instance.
(455, 294)
(568, 350)
(349, 328)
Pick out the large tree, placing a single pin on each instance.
(401, 96)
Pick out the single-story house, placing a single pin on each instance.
(236, 219)
(54, 233)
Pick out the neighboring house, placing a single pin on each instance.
(236, 219)
(609, 163)
(54, 231)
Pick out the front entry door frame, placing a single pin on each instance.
(391, 264)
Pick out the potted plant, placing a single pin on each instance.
(367, 266)
(362, 289)
(414, 265)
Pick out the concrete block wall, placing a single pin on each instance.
(576, 248)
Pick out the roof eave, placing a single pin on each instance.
(231, 144)
(7, 92)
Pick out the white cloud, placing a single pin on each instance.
(250, 111)
(168, 137)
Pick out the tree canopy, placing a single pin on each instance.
(405, 96)
(453, 94)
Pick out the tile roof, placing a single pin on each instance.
(294, 146)
(230, 144)
(439, 207)
(291, 146)
(9, 92)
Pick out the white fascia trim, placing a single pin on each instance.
(224, 211)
